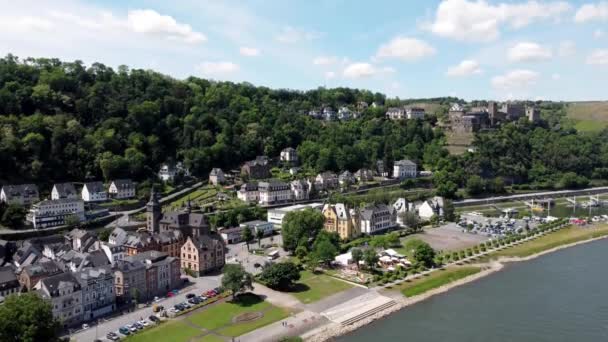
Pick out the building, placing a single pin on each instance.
(364, 175)
(114, 253)
(382, 169)
(8, 282)
(122, 189)
(65, 295)
(98, 295)
(129, 281)
(513, 110)
(362, 105)
(289, 155)
(300, 190)
(396, 113)
(415, 113)
(185, 221)
(326, 180)
(403, 169)
(430, 208)
(338, 219)
(328, 114)
(346, 179)
(23, 194)
(533, 114)
(203, 254)
(344, 113)
(216, 176)
(256, 169)
(32, 274)
(27, 254)
(94, 192)
(168, 171)
(74, 261)
(162, 272)
(258, 225)
(231, 235)
(118, 236)
(64, 191)
(402, 206)
(249, 192)
(377, 218)
(274, 191)
(82, 240)
(314, 113)
(53, 213)
(275, 216)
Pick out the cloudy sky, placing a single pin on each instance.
(473, 49)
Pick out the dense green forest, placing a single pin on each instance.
(65, 121)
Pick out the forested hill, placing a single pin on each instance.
(65, 121)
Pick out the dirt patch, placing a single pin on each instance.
(449, 238)
(247, 317)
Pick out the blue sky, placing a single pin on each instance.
(472, 49)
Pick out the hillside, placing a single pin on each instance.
(589, 116)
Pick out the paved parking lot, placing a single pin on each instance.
(99, 331)
(237, 253)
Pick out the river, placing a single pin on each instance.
(558, 297)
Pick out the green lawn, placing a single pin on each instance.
(589, 116)
(195, 196)
(219, 317)
(313, 287)
(435, 279)
(175, 331)
(590, 126)
(561, 237)
(210, 338)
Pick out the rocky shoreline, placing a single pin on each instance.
(326, 333)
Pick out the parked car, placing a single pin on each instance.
(124, 330)
(170, 294)
(138, 325)
(157, 299)
(112, 336)
(154, 319)
(190, 295)
(132, 328)
(144, 323)
(85, 326)
(175, 291)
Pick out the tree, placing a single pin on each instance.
(357, 255)
(73, 220)
(104, 235)
(135, 295)
(475, 185)
(27, 318)
(13, 216)
(449, 211)
(300, 226)
(324, 251)
(259, 234)
(424, 254)
(410, 219)
(280, 276)
(370, 258)
(247, 236)
(236, 279)
(379, 241)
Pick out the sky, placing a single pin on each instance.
(472, 49)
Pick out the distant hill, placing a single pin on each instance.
(589, 116)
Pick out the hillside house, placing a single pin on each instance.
(64, 191)
(122, 189)
(94, 192)
(22, 194)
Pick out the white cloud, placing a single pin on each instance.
(249, 51)
(330, 75)
(404, 48)
(556, 77)
(365, 70)
(598, 57)
(591, 12)
(27, 24)
(567, 48)
(291, 35)
(482, 22)
(465, 68)
(515, 80)
(597, 34)
(528, 52)
(325, 60)
(148, 21)
(217, 68)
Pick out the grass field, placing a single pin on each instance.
(561, 237)
(435, 279)
(219, 317)
(459, 142)
(198, 194)
(313, 287)
(589, 116)
(210, 338)
(175, 331)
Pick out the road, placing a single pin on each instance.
(520, 197)
(199, 285)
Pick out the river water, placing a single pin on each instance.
(562, 296)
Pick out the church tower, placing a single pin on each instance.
(153, 213)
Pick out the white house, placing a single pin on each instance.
(23, 194)
(122, 189)
(346, 178)
(377, 218)
(344, 113)
(259, 225)
(64, 190)
(231, 235)
(216, 176)
(396, 113)
(274, 191)
(52, 213)
(300, 190)
(275, 216)
(404, 169)
(115, 253)
(329, 114)
(326, 180)
(289, 155)
(428, 208)
(402, 206)
(94, 192)
(167, 172)
(414, 113)
(249, 192)
(344, 259)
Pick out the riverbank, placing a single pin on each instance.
(492, 263)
